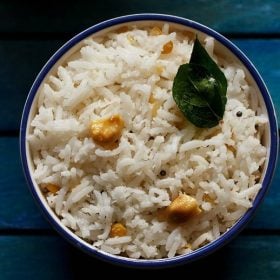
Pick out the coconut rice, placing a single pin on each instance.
(159, 154)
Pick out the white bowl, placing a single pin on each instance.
(225, 48)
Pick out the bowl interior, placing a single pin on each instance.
(65, 53)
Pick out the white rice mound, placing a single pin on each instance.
(117, 74)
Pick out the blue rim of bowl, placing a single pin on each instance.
(227, 236)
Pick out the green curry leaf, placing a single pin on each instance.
(199, 89)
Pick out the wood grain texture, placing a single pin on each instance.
(18, 210)
(265, 55)
(20, 63)
(227, 16)
(50, 257)
(22, 60)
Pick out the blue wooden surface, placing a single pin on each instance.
(227, 16)
(28, 37)
(50, 257)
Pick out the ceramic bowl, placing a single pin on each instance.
(223, 47)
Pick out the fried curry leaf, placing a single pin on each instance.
(199, 89)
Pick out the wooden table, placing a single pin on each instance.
(29, 34)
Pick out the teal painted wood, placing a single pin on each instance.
(265, 55)
(21, 61)
(50, 257)
(18, 210)
(224, 15)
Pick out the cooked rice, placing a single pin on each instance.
(118, 74)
